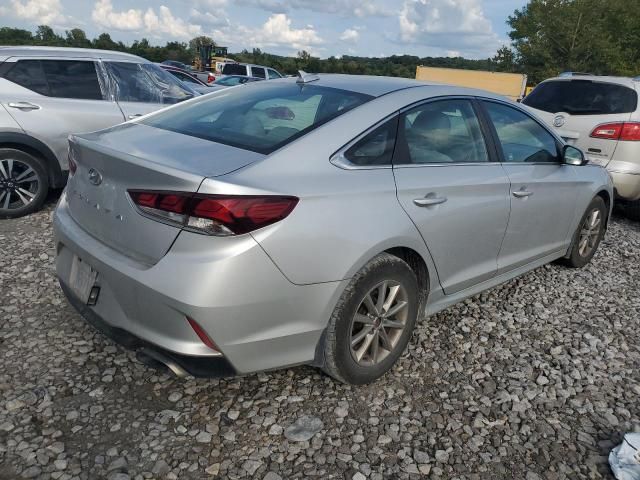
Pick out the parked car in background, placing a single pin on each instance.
(232, 81)
(601, 116)
(205, 77)
(250, 70)
(176, 64)
(313, 221)
(46, 93)
(189, 78)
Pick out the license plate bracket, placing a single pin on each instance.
(82, 278)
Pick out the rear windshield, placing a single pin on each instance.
(234, 69)
(582, 97)
(262, 117)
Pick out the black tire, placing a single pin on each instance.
(339, 361)
(632, 210)
(35, 192)
(577, 258)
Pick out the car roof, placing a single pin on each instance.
(31, 51)
(366, 84)
(626, 81)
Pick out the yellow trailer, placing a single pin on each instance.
(510, 85)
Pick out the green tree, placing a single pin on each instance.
(505, 60)
(46, 36)
(197, 42)
(77, 38)
(551, 36)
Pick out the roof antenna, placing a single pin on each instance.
(304, 77)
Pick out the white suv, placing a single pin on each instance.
(601, 116)
(46, 93)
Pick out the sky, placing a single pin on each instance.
(468, 28)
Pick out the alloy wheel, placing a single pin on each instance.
(590, 232)
(19, 184)
(378, 323)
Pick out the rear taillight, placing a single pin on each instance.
(220, 215)
(625, 131)
(211, 78)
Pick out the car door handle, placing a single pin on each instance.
(24, 105)
(522, 194)
(135, 115)
(429, 201)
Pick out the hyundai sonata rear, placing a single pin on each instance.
(313, 221)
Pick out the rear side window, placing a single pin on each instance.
(257, 72)
(234, 69)
(582, 97)
(445, 131)
(262, 118)
(375, 148)
(522, 138)
(28, 74)
(72, 79)
(58, 78)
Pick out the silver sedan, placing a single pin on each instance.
(314, 220)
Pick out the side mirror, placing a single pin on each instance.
(573, 156)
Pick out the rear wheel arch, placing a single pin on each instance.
(420, 269)
(607, 201)
(37, 149)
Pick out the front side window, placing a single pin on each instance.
(582, 97)
(262, 118)
(58, 78)
(445, 131)
(257, 72)
(273, 74)
(522, 138)
(375, 148)
(146, 83)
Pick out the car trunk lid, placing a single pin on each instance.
(138, 157)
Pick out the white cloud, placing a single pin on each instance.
(277, 31)
(359, 8)
(104, 16)
(208, 19)
(166, 23)
(43, 12)
(454, 25)
(350, 35)
(160, 24)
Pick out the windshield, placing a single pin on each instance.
(582, 97)
(262, 118)
(146, 82)
(232, 81)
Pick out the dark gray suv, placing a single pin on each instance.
(48, 93)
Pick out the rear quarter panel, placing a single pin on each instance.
(344, 217)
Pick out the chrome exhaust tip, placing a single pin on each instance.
(155, 359)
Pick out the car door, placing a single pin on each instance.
(52, 97)
(141, 88)
(452, 186)
(543, 189)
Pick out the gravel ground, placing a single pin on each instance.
(536, 379)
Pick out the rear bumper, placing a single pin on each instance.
(196, 366)
(229, 286)
(627, 185)
(625, 175)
